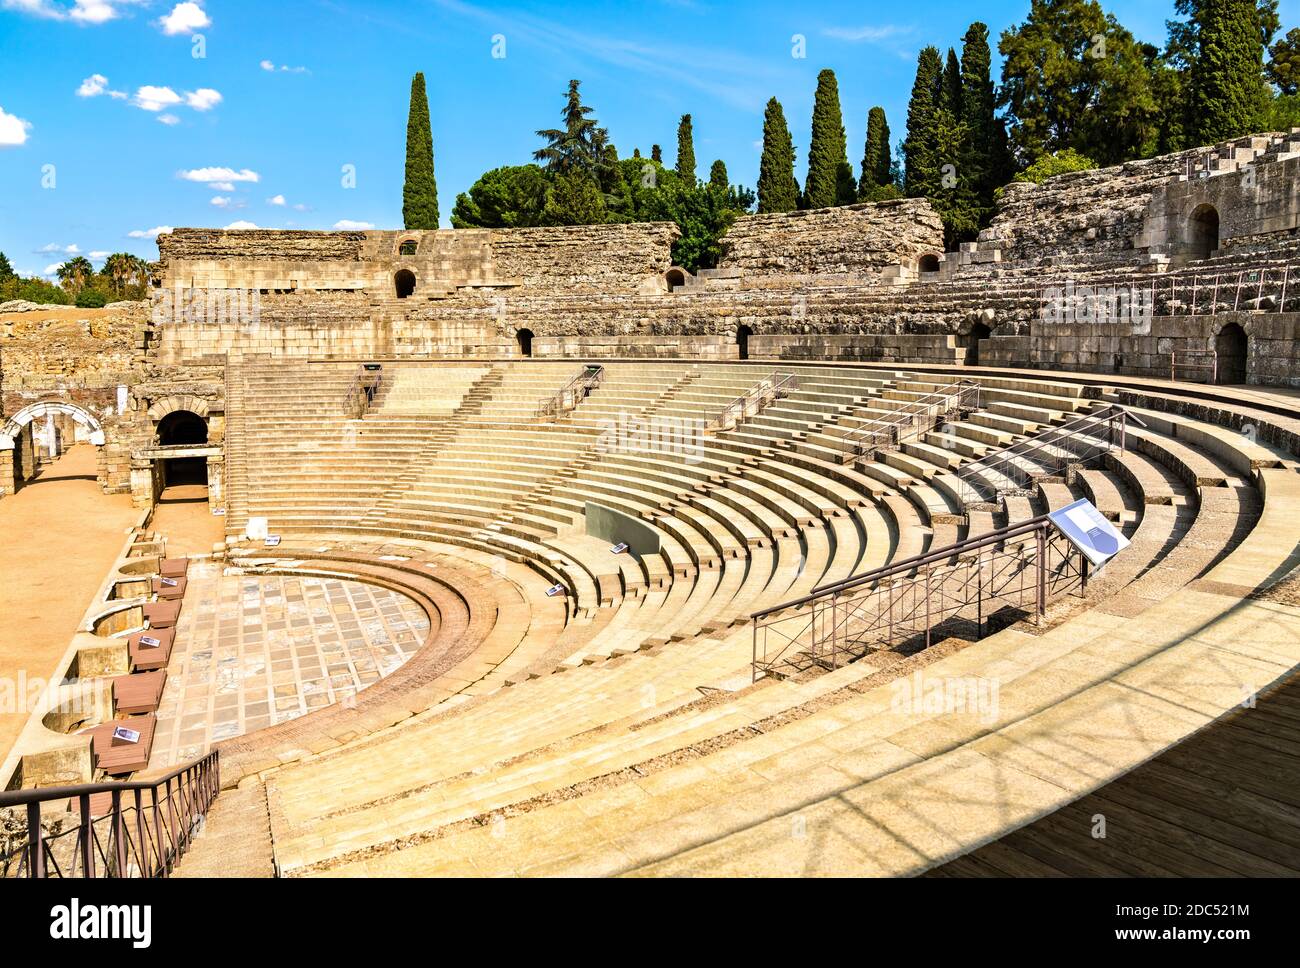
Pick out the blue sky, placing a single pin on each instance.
(141, 133)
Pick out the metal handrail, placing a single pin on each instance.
(147, 846)
(365, 385)
(572, 393)
(1046, 449)
(915, 596)
(909, 420)
(760, 395)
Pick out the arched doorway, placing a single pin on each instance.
(978, 332)
(525, 340)
(1203, 232)
(42, 432)
(1231, 347)
(743, 333)
(183, 428)
(675, 277)
(928, 263)
(404, 283)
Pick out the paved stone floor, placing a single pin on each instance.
(255, 650)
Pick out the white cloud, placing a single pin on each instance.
(13, 130)
(52, 269)
(221, 186)
(347, 223)
(241, 224)
(221, 201)
(212, 175)
(93, 86)
(169, 119)
(267, 65)
(870, 34)
(152, 233)
(37, 8)
(153, 98)
(275, 200)
(72, 249)
(185, 18)
(93, 12)
(204, 99)
(100, 254)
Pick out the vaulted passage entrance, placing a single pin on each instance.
(978, 332)
(181, 428)
(1232, 348)
(1203, 232)
(404, 283)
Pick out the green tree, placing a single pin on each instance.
(876, 164)
(420, 190)
(1284, 62)
(718, 176)
(1227, 93)
(1072, 77)
(656, 154)
(574, 198)
(579, 144)
(921, 173)
(827, 149)
(6, 270)
(777, 189)
(685, 149)
(1058, 163)
(702, 213)
(513, 196)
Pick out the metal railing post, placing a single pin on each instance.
(35, 841)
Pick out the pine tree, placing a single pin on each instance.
(718, 176)
(827, 149)
(579, 145)
(921, 174)
(420, 190)
(6, 270)
(1226, 92)
(686, 150)
(777, 189)
(876, 163)
(1284, 62)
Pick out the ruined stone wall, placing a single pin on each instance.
(586, 258)
(855, 240)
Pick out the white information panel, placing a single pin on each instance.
(1088, 530)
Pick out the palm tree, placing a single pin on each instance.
(118, 268)
(75, 273)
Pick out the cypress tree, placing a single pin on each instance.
(420, 190)
(921, 174)
(1227, 95)
(656, 154)
(983, 160)
(718, 176)
(827, 150)
(876, 163)
(952, 91)
(686, 150)
(777, 189)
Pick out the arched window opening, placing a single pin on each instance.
(928, 263)
(408, 247)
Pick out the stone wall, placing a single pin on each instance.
(855, 240)
(586, 258)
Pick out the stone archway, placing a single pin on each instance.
(404, 283)
(524, 338)
(15, 424)
(19, 457)
(928, 263)
(675, 277)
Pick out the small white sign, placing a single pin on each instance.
(149, 642)
(554, 590)
(618, 549)
(126, 735)
(272, 540)
(1088, 530)
(168, 582)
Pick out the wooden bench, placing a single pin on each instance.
(145, 658)
(138, 693)
(174, 567)
(117, 756)
(162, 615)
(169, 592)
